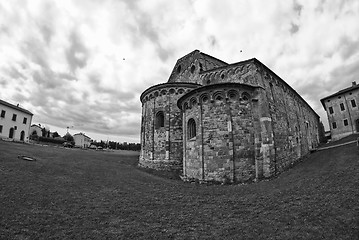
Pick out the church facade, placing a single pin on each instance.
(215, 121)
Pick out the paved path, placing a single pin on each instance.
(338, 145)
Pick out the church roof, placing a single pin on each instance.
(15, 107)
(205, 55)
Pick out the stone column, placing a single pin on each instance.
(264, 141)
(184, 130)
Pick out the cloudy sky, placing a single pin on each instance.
(84, 63)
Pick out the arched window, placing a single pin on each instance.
(22, 136)
(193, 68)
(191, 128)
(245, 96)
(160, 119)
(200, 67)
(11, 133)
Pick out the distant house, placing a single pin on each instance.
(14, 122)
(343, 111)
(40, 131)
(81, 140)
(36, 130)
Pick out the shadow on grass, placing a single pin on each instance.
(174, 175)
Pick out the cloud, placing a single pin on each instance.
(85, 63)
(297, 7)
(348, 47)
(294, 28)
(77, 53)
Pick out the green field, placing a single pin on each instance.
(78, 194)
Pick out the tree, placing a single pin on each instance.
(55, 134)
(68, 137)
(44, 132)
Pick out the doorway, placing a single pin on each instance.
(11, 133)
(357, 125)
(22, 136)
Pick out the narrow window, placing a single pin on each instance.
(14, 117)
(0, 128)
(200, 67)
(345, 122)
(193, 68)
(331, 111)
(353, 103)
(342, 107)
(3, 113)
(334, 124)
(160, 119)
(191, 128)
(25, 120)
(179, 68)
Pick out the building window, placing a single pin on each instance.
(179, 68)
(25, 120)
(193, 68)
(345, 122)
(331, 111)
(334, 125)
(342, 107)
(245, 96)
(160, 119)
(14, 117)
(191, 128)
(353, 103)
(3, 113)
(0, 128)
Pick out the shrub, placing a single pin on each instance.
(52, 140)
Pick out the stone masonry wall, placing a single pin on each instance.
(161, 147)
(223, 149)
(187, 68)
(295, 125)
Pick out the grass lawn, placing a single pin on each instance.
(78, 194)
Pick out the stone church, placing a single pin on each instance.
(223, 122)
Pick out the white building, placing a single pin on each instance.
(14, 122)
(343, 111)
(36, 128)
(81, 140)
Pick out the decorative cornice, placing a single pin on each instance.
(214, 86)
(168, 85)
